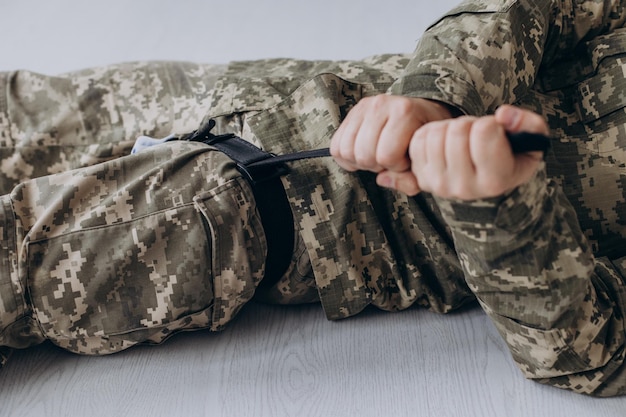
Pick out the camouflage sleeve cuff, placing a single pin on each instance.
(445, 88)
(510, 214)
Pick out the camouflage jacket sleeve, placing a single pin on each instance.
(559, 310)
(484, 53)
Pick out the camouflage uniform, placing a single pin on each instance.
(102, 249)
(529, 256)
(115, 249)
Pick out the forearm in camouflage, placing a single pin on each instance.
(529, 265)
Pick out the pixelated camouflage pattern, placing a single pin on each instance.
(367, 246)
(134, 249)
(110, 254)
(529, 257)
(121, 250)
(53, 124)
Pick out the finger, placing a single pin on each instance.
(404, 182)
(498, 170)
(335, 141)
(515, 119)
(459, 164)
(393, 145)
(367, 141)
(492, 157)
(434, 171)
(342, 142)
(417, 153)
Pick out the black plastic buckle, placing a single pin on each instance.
(243, 153)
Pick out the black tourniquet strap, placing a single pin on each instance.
(263, 171)
(295, 156)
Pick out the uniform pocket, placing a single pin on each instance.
(102, 289)
(601, 94)
(238, 247)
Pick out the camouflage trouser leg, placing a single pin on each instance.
(121, 250)
(127, 251)
(52, 124)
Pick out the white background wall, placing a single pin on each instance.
(53, 36)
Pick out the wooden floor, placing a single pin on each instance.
(273, 361)
(291, 361)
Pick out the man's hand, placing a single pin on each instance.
(470, 158)
(376, 134)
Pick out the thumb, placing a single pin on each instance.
(515, 119)
(404, 182)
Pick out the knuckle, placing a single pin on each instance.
(462, 123)
(363, 157)
(397, 106)
(386, 156)
(493, 186)
(376, 102)
(346, 153)
(460, 190)
(482, 129)
(440, 188)
(403, 106)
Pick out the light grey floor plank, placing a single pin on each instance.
(291, 361)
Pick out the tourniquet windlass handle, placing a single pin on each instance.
(522, 142)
